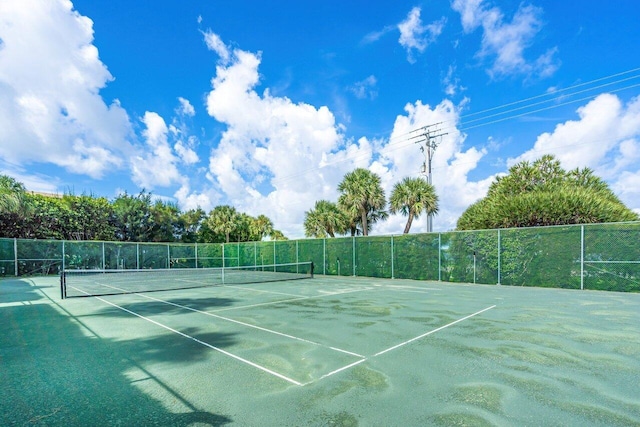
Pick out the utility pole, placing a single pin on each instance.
(428, 142)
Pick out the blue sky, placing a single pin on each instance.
(266, 105)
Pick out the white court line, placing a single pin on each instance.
(338, 370)
(433, 331)
(226, 353)
(237, 322)
(399, 345)
(249, 325)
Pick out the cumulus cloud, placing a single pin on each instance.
(156, 166)
(506, 42)
(414, 36)
(276, 157)
(50, 78)
(605, 138)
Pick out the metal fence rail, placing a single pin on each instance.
(594, 256)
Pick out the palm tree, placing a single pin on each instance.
(412, 197)
(362, 195)
(325, 219)
(261, 227)
(13, 197)
(224, 220)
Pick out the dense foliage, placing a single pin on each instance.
(542, 193)
(129, 218)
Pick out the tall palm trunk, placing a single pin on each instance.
(409, 222)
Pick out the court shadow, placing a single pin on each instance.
(18, 290)
(165, 306)
(57, 372)
(179, 350)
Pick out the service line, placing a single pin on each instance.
(433, 331)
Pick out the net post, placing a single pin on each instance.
(62, 286)
(312, 268)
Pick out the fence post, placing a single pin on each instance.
(392, 258)
(439, 257)
(196, 249)
(324, 256)
(15, 254)
(137, 256)
(63, 255)
(168, 256)
(354, 255)
(582, 257)
(104, 261)
(499, 254)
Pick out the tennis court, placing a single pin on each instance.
(326, 351)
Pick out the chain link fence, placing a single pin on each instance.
(594, 256)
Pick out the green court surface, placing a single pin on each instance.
(326, 351)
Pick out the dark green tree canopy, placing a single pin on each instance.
(543, 193)
(128, 217)
(325, 219)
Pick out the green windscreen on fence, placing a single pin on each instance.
(591, 256)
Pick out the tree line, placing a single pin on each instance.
(540, 193)
(128, 217)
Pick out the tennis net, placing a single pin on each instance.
(82, 283)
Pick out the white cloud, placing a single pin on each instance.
(605, 138)
(416, 36)
(50, 78)
(186, 152)
(365, 89)
(451, 83)
(185, 108)
(275, 157)
(507, 41)
(156, 166)
(215, 43)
